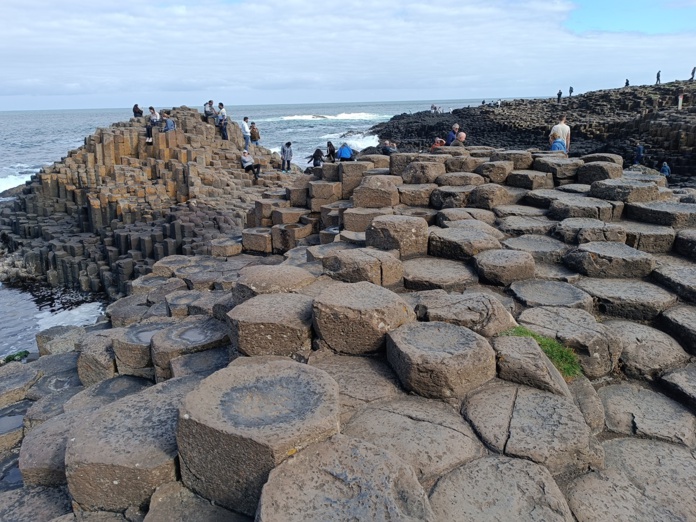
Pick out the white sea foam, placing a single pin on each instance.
(361, 141)
(342, 116)
(82, 315)
(13, 180)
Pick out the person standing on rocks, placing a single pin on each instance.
(657, 81)
(452, 134)
(562, 130)
(559, 94)
(693, 72)
(330, 152)
(570, 92)
(286, 156)
(316, 159)
(627, 84)
(222, 121)
(246, 132)
(638, 159)
(255, 134)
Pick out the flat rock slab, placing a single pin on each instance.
(586, 230)
(505, 211)
(538, 292)
(676, 215)
(680, 323)
(15, 380)
(364, 264)
(609, 259)
(555, 273)
(131, 346)
(408, 235)
(459, 244)
(680, 279)
(586, 398)
(34, 504)
(431, 273)
(201, 363)
(503, 267)
(663, 472)
(123, 451)
(172, 501)
(127, 310)
(261, 279)
(585, 207)
(649, 238)
(499, 488)
(532, 424)
(96, 361)
(344, 479)
(48, 407)
(106, 392)
(190, 335)
(257, 412)
(354, 318)
(631, 410)
(440, 360)
(628, 298)
(272, 324)
(626, 190)
(682, 383)
(474, 225)
(521, 225)
(610, 495)
(521, 360)
(430, 436)
(481, 312)
(594, 344)
(685, 243)
(58, 373)
(361, 380)
(318, 252)
(543, 248)
(646, 352)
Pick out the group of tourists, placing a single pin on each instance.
(318, 158)
(163, 122)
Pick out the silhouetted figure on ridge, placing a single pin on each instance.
(657, 80)
(560, 93)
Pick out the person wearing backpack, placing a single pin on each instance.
(255, 134)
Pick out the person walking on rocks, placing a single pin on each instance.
(154, 122)
(255, 134)
(222, 121)
(657, 80)
(693, 73)
(559, 94)
(316, 159)
(248, 164)
(570, 92)
(627, 84)
(330, 152)
(246, 132)
(286, 156)
(138, 112)
(562, 130)
(209, 112)
(452, 134)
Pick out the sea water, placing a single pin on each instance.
(32, 139)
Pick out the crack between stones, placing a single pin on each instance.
(512, 412)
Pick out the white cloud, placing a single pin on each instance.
(68, 53)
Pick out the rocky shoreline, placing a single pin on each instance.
(348, 348)
(611, 120)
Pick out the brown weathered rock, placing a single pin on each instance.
(364, 264)
(503, 267)
(408, 235)
(608, 259)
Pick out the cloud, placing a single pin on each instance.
(292, 51)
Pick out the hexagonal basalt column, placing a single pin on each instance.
(272, 324)
(191, 335)
(408, 235)
(244, 420)
(131, 347)
(354, 318)
(440, 360)
(270, 279)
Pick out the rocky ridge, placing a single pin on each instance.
(356, 370)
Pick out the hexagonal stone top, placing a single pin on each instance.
(270, 279)
(271, 400)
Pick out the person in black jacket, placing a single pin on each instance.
(330, 152)
(137, 111)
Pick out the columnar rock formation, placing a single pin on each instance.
(369, 373)
(611, 120)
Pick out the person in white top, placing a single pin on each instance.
(154, 122)
(246, 132)
(222, 120)
(563, 131)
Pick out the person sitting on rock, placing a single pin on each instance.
(137, 111)
(316, 159)
(665, 170)
(557, 143)
(344, 153)
(169, 124)
(249, 165)
(209, 112)
(389, 148)
(330, 152)
(452, 134)
(154, 122)
(439, 142)
(459, 141)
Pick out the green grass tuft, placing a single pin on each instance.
(16, 356)
(562, 357)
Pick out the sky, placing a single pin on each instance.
(80, 54)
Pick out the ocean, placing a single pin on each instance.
(32, 139)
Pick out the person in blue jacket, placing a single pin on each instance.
(452, 134)
(665, 170)
(558, 143)
(344, 153)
